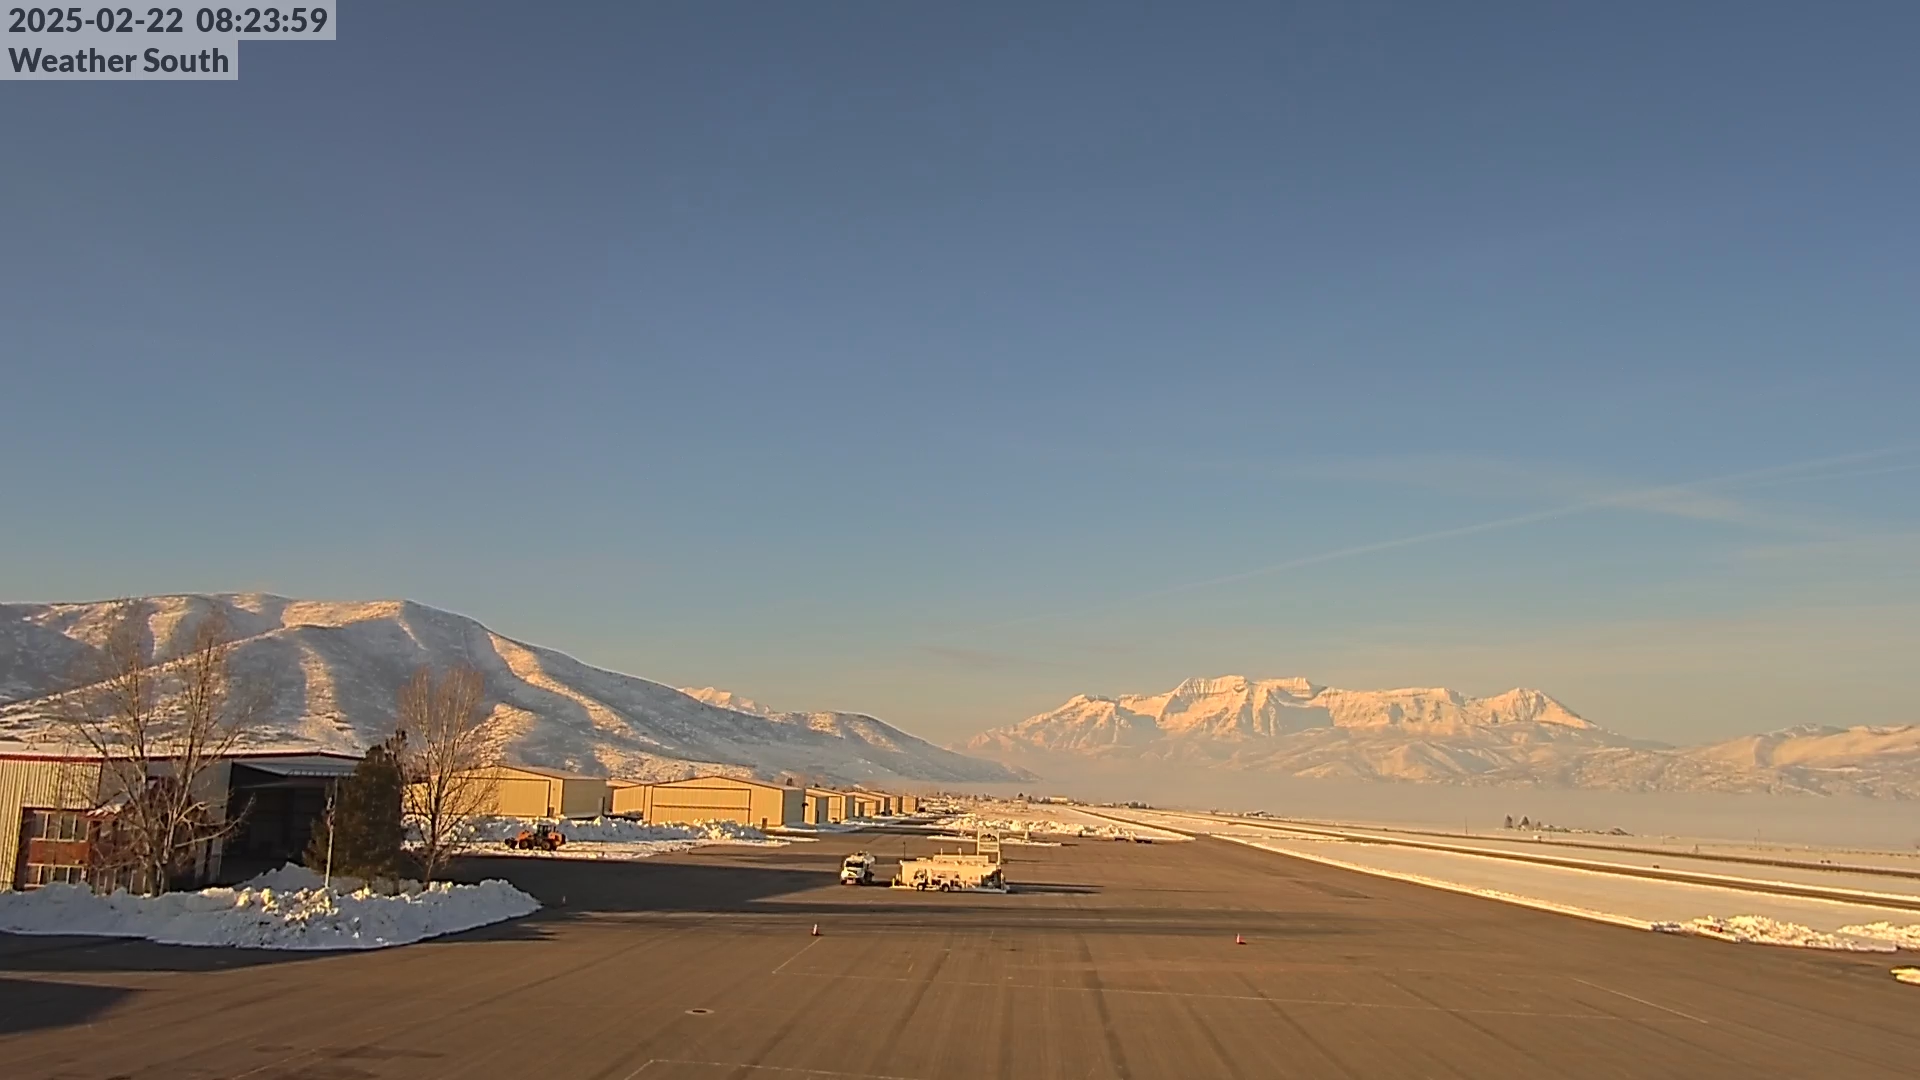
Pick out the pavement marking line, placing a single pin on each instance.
(1253, 997)
(795, 956)
(764, 1068)
(1641, 1000)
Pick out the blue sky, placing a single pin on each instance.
(946, 363)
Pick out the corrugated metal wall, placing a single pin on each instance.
(38, 782)
(833, 805)
(585, 798)
(703, 799)
(793, 806)
(632, 799)
(523, 795)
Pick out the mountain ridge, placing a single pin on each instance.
(1296, 727)
(330, 672)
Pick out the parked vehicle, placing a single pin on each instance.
(857, 869)
(956, 872)
(537, 838)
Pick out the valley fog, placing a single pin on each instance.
(1825, 821)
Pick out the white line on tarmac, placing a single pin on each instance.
(1641, 1000)
(795, 956)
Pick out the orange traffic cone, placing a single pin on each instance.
(816, 929)
(1238, 940)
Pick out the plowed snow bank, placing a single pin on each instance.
(285, 909)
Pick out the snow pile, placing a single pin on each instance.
(1903, 937)
(969, 823)
(1760, 930)
(616, 830)
(809, 830)
(613, 837)
(270, 916)
(293, 876)
(1907, 975)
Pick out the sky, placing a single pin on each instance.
(943, 362)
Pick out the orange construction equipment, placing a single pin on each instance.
(537, 838)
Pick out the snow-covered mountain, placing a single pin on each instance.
(1295, 727)
(331, 672)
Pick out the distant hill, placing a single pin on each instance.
(332, 671)
(1295, 727)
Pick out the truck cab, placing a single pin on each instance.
(857, 869)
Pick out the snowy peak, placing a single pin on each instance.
(331, 672)
(1532, 707)
(1817, 746)
(1235, 709)
(1294, 727)
(727, 699)
(1442, 711)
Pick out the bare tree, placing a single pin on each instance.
(160, 727)
(450, 747)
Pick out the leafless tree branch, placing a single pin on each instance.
(451, 745)
(160, 729)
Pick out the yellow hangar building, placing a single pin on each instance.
(825, 806)
(712, 798)
(526, 791)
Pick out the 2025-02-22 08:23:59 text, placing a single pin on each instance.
(172, 20)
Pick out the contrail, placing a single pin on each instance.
(1794, 471)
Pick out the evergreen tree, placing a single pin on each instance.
(367, 832)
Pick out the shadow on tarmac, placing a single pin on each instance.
(20, 952)
(30, 1006)
(565, 888)
(605, 886)
(1053, 888)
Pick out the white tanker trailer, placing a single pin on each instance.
(956, 872)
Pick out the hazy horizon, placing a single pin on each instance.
(1821, 820)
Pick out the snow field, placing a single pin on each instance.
(1050, 820)
(285, 909)
(1858, 886)
(1592, 892)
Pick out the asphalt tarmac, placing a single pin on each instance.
(1111, 960)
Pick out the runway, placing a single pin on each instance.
(1112, 960)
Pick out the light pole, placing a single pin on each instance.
(327, 881)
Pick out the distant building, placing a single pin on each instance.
(54, 820)
(527, 791)
(713, 798)
(825, 806)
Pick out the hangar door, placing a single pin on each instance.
(728, 803)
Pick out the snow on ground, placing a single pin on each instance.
(285, 909)
(1722, 910)
(614, 838)
(1760, 930)
(1051, 820)
(810, 832)
(1818, 857)
(1907, 975)
(1810, 872)
(1906, 937)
